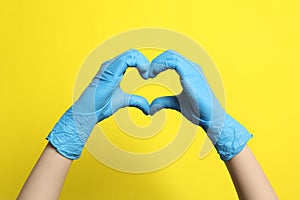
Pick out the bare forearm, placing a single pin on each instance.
(248, 177)
(47, 177)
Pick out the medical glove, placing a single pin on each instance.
(199, 105)
(102, 98)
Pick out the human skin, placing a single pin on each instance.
(48, 175)
(248, 177)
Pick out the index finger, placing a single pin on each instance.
(130, 58)
(171, 60)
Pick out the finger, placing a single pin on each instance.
(170, 102)
(171, 60)
(140, 103)
(121, 99)
(157, 68)
(130, 58)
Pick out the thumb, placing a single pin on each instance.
(170, 102)
(138, 102)
(121, 99)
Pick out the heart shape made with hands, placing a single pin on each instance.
(104, 95)
(195, 94)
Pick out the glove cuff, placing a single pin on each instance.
(231, 139)
(71, 133)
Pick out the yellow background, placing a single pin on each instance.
(255, 45)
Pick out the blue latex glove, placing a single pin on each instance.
(100, 100)
(198, 104)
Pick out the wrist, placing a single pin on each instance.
(233, 138)
(71, 132)
(228, 136)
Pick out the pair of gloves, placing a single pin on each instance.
(103, 97)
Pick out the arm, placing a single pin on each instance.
(47, 177)
(249, 179)
(199, 105)
(99, 101)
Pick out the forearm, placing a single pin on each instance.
(47, 177)
(248, 177)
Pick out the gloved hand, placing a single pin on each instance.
(100, 100)
(198, 104)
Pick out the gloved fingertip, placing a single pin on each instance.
(146, 112)
(155, 69)
(144, 109)
(144, 71)
(154, 108)
(140, 103)
(152, 112)
(145, 75)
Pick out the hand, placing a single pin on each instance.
(101, 99)
(104, 95)
(198, 104)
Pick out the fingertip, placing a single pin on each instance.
(138, 60)
(164, 61)
(140, 103)
(145, 75)
(165, 55)
(144, 107)
(143, 70)
(154, 108)
(146, 112)
(155, 69)
(169, 102)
